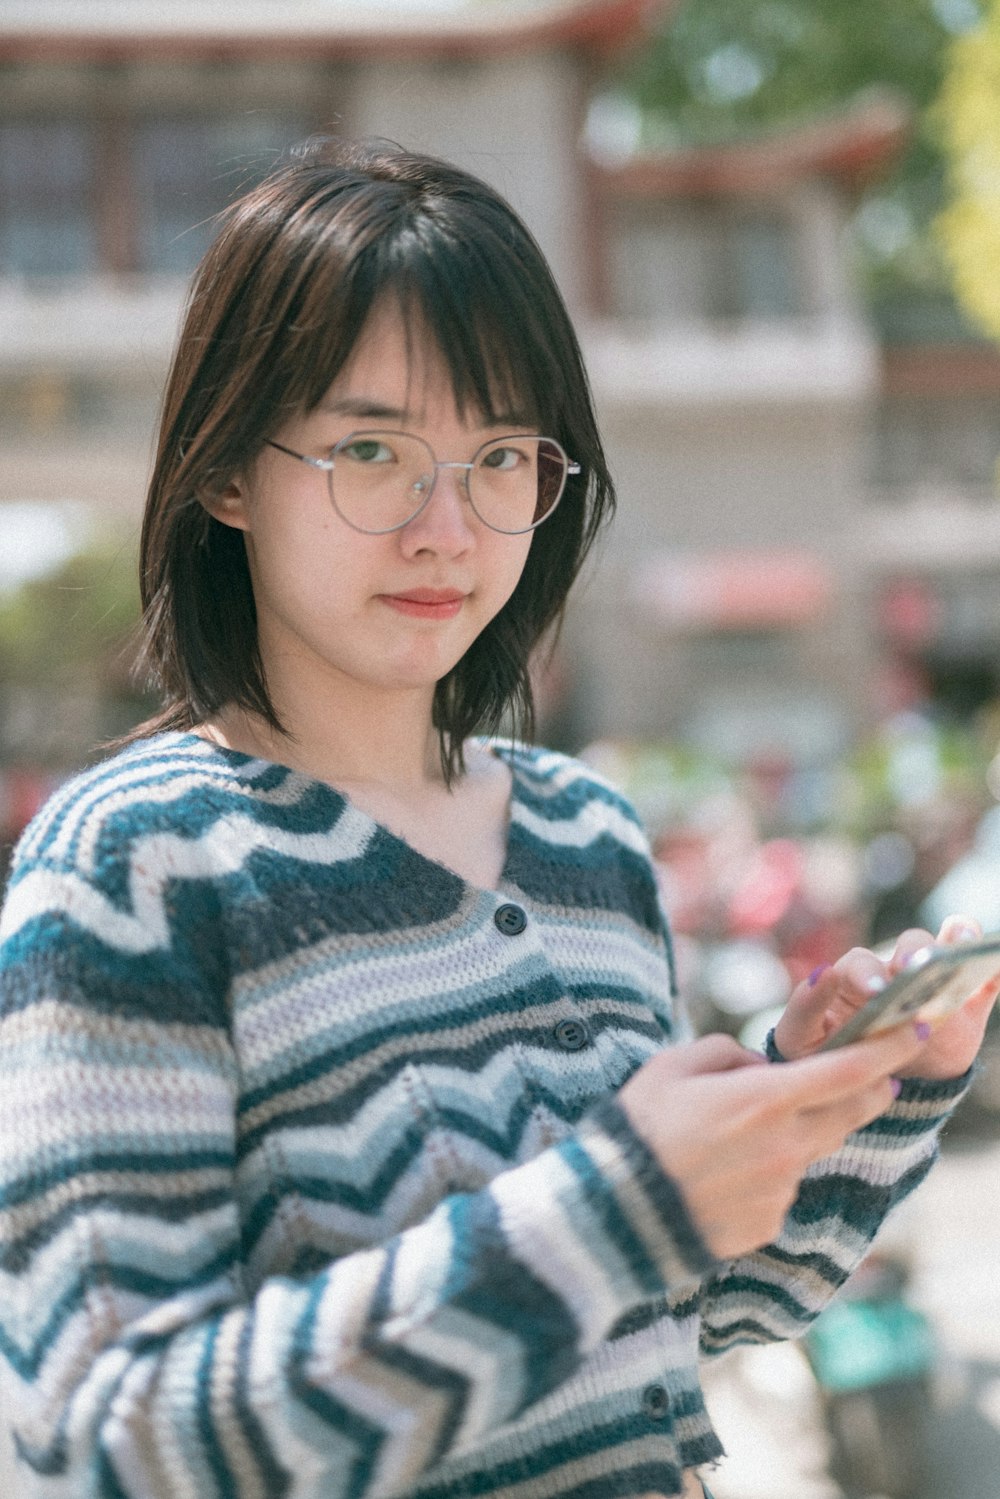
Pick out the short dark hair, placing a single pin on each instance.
(275, 309)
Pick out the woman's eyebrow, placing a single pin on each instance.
(365, 406)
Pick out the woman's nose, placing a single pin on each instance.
(446, 520)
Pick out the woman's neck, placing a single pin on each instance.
(397, 749)
(462, 825)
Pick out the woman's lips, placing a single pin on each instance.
(426, 603)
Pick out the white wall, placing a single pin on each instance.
(510, 120)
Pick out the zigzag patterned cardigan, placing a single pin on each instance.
(311, 1177)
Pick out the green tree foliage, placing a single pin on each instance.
(969, 115)
(67, 649)
(718, 71)
(75, 620)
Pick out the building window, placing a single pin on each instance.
(756, 274)
(944, 439)
(51, 405)
(187, 171)
(47, 218)
(134, 194)
(682, 262)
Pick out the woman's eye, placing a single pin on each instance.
(368, 450)
(502, 458)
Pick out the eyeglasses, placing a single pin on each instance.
(380, 481)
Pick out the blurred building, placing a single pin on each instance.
(799, 504)
(737, 372)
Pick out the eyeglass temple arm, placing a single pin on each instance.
(321, 463)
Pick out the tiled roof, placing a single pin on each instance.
(852, 145)
(345, 27)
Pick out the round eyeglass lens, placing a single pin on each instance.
(516, 482)
(380, 480)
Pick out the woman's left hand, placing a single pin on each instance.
(822, 1003)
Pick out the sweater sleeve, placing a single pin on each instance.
(775, 1292)
(136, 1359)
(841, 1204)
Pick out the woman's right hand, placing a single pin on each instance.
(737, 1134)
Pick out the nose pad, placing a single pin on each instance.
(441, 518)
(419, 491)
(444, 476)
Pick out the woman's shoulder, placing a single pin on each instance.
(167, 811)
(175, 805)
(561, 772)
(554, 788)
(167, 797)
(150, 780)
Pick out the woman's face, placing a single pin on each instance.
(338, 609)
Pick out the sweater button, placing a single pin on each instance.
(655, 1402)
(510, 920)
(571, 1034)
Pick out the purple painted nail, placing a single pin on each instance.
(896, 1085)
(923, 1030)
(817, 974)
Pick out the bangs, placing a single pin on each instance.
(499, 372)
(495, 340)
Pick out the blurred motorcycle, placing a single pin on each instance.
(872, 1354)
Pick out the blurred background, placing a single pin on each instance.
(777, 226)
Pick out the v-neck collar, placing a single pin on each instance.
(506, 751)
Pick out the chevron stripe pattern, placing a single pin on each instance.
(312, 1182)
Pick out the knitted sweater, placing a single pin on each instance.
(312, 1181)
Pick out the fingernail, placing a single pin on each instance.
(922, 1029)
(959, 928)
(875, 985)
(817, 974)
(896, 1086)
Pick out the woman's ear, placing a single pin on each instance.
(229, 505)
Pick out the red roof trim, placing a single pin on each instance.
(941, 369)
(852, 147)
(751, 589)
(597, 26)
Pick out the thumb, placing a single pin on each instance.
(828, 1076)
(714, 1053)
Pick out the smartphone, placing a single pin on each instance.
(936, 981)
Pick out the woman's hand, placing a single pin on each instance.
(821, 1004)
(737, 1135)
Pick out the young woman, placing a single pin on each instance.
(345, 1149)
